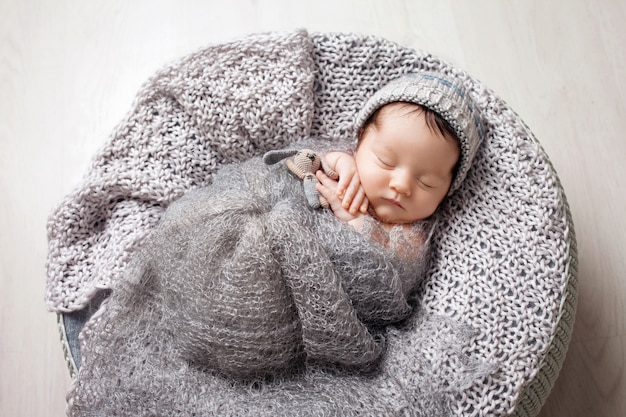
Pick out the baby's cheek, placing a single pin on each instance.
(373, 182)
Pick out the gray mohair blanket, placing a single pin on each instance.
(252, 282)
(240, 280)
(243, 291)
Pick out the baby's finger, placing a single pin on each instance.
(342, 185)
(323, 190)
(326, 192)
(351, 191)
(357, 201)
(364, 205)
(326, 187)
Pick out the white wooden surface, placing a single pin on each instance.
(70, 69)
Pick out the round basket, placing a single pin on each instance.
(506, 259)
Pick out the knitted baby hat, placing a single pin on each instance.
(444, 95)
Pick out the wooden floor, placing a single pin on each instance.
(69, 71)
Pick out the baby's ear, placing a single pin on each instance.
(272, 157)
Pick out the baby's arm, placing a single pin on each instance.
(348, 190)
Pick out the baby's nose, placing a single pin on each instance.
(400, 182)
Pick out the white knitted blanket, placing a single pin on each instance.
(499, 248)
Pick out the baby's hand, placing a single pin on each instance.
(328, 189)
(348, 190)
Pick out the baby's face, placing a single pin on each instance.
(405, 168)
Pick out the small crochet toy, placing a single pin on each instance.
(304, 164)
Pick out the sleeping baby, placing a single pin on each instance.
(256, 282)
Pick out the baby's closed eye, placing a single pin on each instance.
(384, 161)
(424, 184)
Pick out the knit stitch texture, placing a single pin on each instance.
(504, 249)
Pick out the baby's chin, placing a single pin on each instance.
(385, 216)
(390, 218)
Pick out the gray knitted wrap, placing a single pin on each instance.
(253, 283)
(500, 288)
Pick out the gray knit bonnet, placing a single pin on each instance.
(444, 95)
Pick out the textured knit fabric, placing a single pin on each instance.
(504, 250)
(188, 120)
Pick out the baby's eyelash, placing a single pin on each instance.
(424, 184)
(383, 162)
